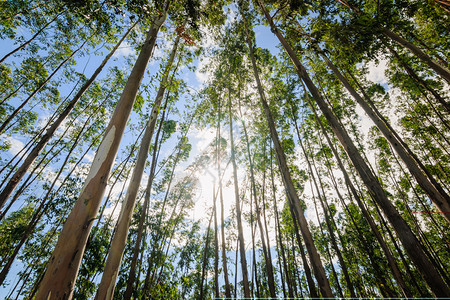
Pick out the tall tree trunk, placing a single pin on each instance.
(158, 242)
(327, 248)
(216, 246)
(322, 199)
(293, 199)
(391, 260)
(205, 257)
(62, 270)
(268, 261)
(238, 210)
(132, 274)
(441, 71)
(106, 287)
(18, 175)
(254, 274)
(409, 240)
(278, 231)
(222, 210)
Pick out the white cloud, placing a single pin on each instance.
(124, 50)
(231, 16)
(89, 157)
(16, 145)
(376, 71)
(202, 75)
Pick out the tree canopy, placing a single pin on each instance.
(176, 149)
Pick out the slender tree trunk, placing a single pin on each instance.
(278, 231)
(441, 71)
(158, 244)
(29, 144)
(419, 80)
(238, 210)
(222, 210)
(322, 199)
(132, 274)
(391, 260)
(311, 285)
(41, 210)
(62, 270)
(18, 175)
(445, 74)
(319, 271)
(216, 247)
(24, 11)
(431, 49)
(268, 261)
(205, 258)
(106, 287)
(409, 240)
(254, 273)
(12, 93)
(30, 179)
(327, 248)
(236, 269)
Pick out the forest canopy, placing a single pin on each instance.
(201, 149)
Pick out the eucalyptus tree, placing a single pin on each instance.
(43, 207)
(106, 288)
(64, 264)
(293, 199)
(169, 128)
(409, 240)
(418, 170)
(441, 71)
(219, 152)
(238, 209)
(20, 172)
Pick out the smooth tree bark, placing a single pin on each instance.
(31, 157)
(327, 248)
(108, 281)
(216, 246)
(409, 240)
(222, 209)
(322, 199)
(292, 196)
(140, 231)
(205, 257)
(160, 237)
(62, 270)
(278, 233)
(267, 258)
(238, 210)
(387, 252)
